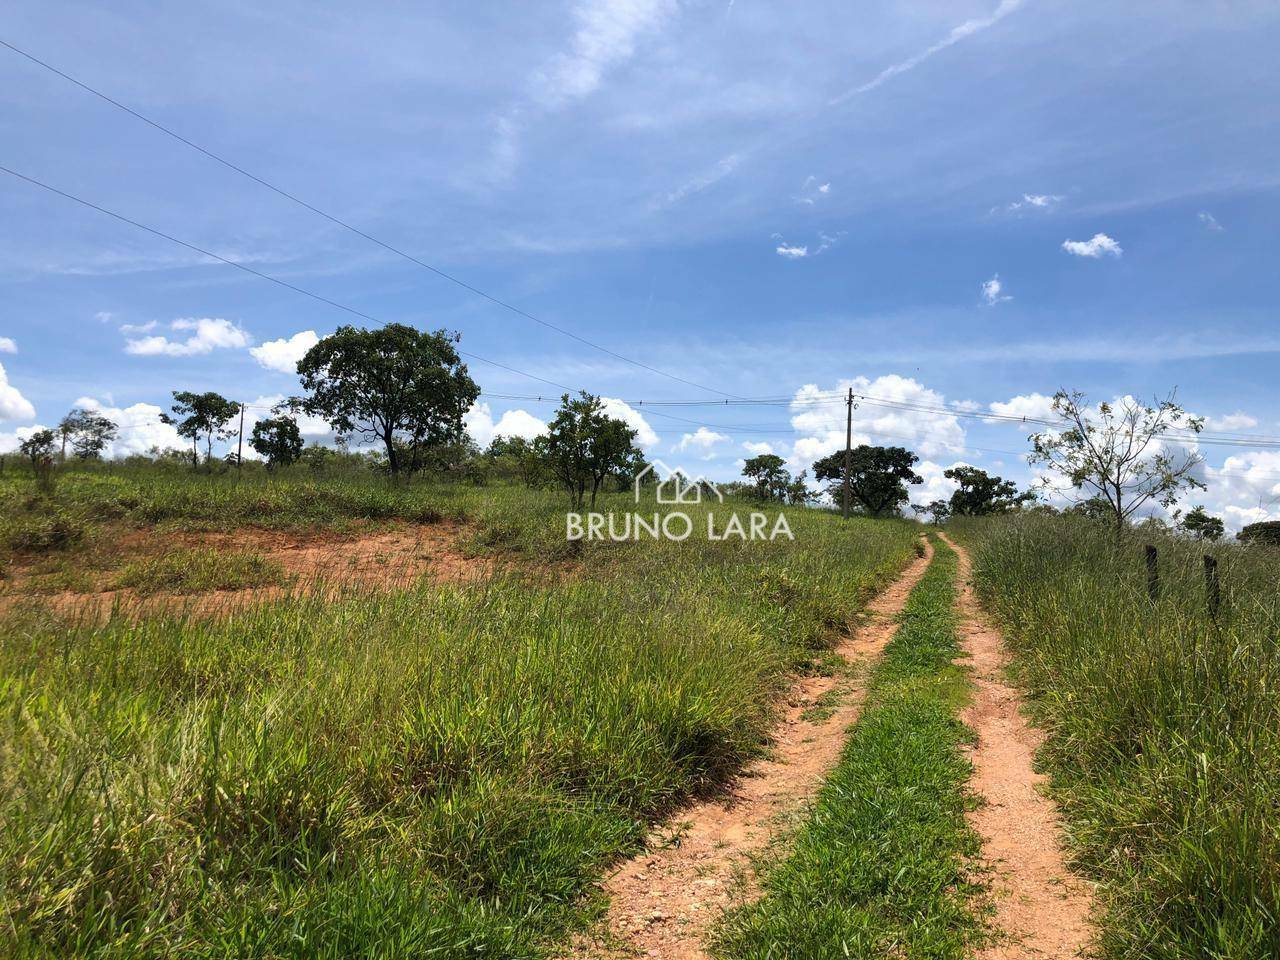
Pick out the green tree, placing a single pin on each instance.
(395, 385)
(940, 511)
(88, 432)
(583, 446)
(38, 448)
(769, 476)
(1202, 525)
(197, 415)
(980, 493)
(1122, 454)
(277, 440)
(878, 477)
(1264, 531)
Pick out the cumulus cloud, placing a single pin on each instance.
(480, 424)
(1210, 222)
(702, 441)
(140, 427)
(1097, 246)
(283, 355)
(935, 486)
(757, 448)
(7, 345)
(1231, 421)
(206, 334)
(1245, 489)
(819, 417)
(260, 408)
(13, 405)
(1029, 405)
(992, 291)
(645, 435)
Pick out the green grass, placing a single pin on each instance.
(440, 771)
(196, 570)
(1164, 727)
(884, 867)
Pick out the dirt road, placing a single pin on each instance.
(1042, 909)
(663, 901)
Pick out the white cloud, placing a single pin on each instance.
(207, 334)
(966, 29)
(811, 191)
(1031, 405)
(1036, 201)
(992, 292)
(263, 407)
(935, 486)
(1232, 421)
(134, 328)
(606, 35)
(757, 448)
(701, 441)
(513, 423)
(140, 427)
(724, 166)
(7, 345)
(819, 416)
(1245, 489)
(645, 435)
(13, 405)
(1210, 222)
(966, 406)
(792, 253)
(1100, 244)
(283, 355)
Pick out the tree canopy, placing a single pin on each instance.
(980, 493)
(404, 388)
(770, 480)
(277, 440)
(878, 477)
(583, 446)
(197, 415)
(1121, 454)
(88, 432)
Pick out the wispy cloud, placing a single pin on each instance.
(724, 166)
(811, 191)
(1042, 202)
(790, 252)
(966, 29)
(1210, 222)
(795, 251)
(1097, 246)
(993, 291)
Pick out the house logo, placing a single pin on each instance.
(676, 489)
(673, 488)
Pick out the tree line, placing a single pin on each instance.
(406, 392)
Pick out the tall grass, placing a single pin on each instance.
(1164, 726)
(438, 771)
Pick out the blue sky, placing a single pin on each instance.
(755, 197)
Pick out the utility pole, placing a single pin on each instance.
(848, 451)
(240, 446)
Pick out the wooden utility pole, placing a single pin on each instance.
(848, 452)
(240, 445)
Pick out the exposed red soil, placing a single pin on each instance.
(1042, 909)
(663, 901)
(324, 561)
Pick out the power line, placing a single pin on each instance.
(353, 229)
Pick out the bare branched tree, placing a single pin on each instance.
(1121, 454)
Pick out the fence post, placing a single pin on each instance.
(1212, 587)
(1153, 574)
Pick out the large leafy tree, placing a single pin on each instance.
(401, 387)
(88, 432)
(206, 415)
(979, 493)
(878, 477)
(1123, 455)
(38, 448)
(277, 440)
(583, 446)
